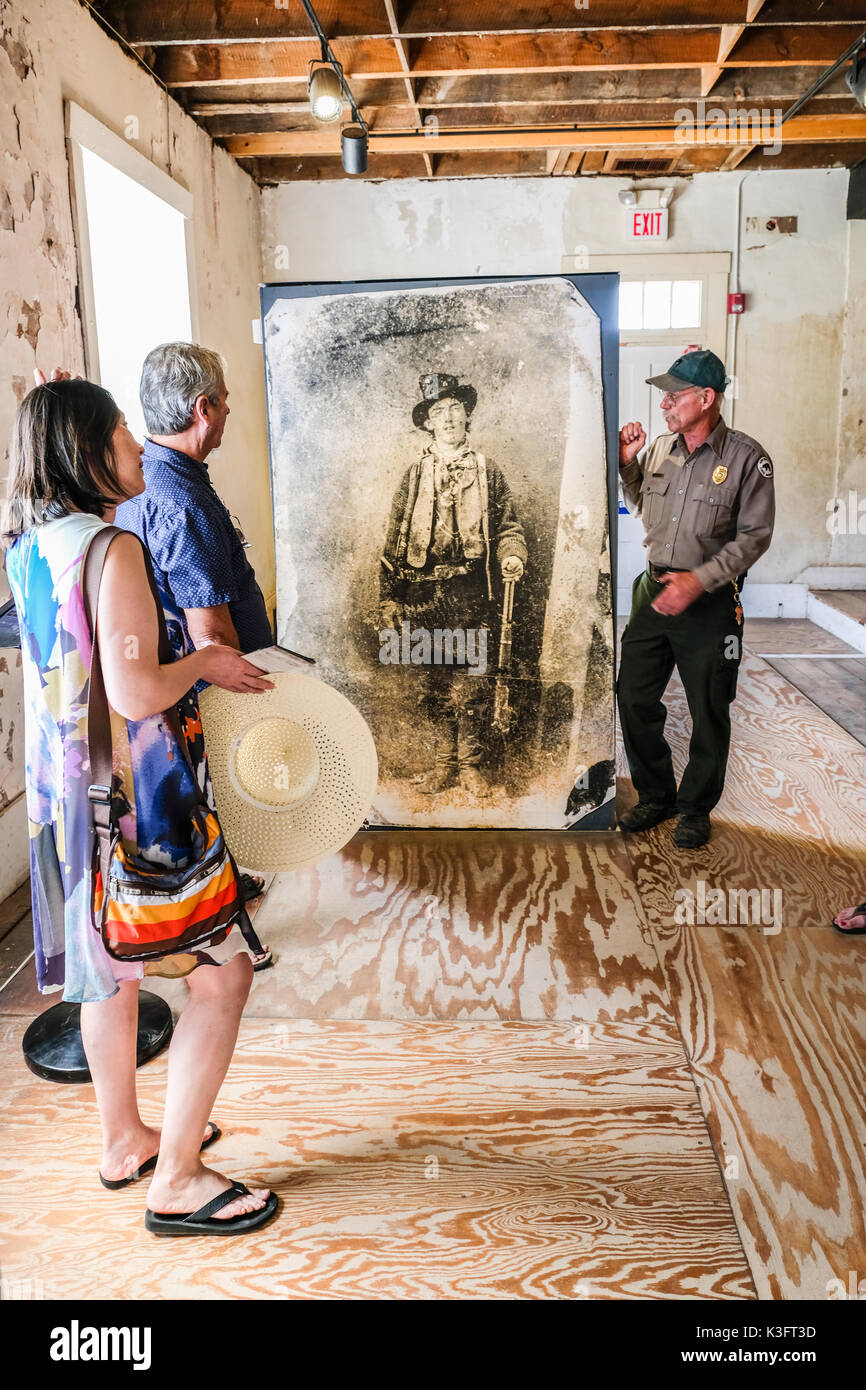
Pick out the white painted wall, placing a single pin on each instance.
(848, 546)
(51, 50)
(789, 349)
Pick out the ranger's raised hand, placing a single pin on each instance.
(632, 438)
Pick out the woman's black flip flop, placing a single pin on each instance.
(203, 1223)
(149, 1164)
(853, 931)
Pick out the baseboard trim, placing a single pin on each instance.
(774, 600)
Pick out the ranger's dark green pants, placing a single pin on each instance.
(705, 644)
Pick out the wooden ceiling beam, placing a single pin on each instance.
(259, 117)
(779, 84)
(598, 50)
(736, 157)
(762, 86)
(507, 164)
(324, 141)
(729, 37)
(817, 156)
(531, 164)
(401, 48)
(158, 22)
(378, 118)
(321, 168)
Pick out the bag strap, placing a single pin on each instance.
(98, 715)
(98, 719)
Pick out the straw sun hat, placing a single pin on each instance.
(294, 770)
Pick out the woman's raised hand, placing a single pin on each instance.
(229, 669)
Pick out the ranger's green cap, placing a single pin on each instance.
(701, 368)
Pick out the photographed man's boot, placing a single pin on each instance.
(444, 772)
(473, 780)
(438, 779)
(470, 753)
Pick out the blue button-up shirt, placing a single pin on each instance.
(197, 555)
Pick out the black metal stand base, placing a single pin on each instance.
(52, 1044)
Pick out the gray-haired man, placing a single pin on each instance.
(207, 585)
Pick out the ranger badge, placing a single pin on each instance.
(721, 473)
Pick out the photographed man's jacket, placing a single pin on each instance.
(502, 534)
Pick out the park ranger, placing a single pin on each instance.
(706, 497)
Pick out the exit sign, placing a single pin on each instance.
(648, 226)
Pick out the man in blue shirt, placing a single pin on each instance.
(207, 586)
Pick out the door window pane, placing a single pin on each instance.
(686, 304)
(631, 304)
(657, 304)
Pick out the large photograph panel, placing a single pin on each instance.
(441, 512)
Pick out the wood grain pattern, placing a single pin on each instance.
(774, 1023)
(836, 685)
(763, 636)
(457, 924)
(445, 1160)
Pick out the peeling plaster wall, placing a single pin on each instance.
(789, 346)
(50, 51)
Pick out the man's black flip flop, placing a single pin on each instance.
(203, 1222)
(853, 931)
(150, 1163)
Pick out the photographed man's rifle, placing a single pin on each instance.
(502, 711)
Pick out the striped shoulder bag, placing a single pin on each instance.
(142, 910)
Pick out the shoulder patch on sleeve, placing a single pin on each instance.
(765, 468)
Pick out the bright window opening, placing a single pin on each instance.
(650, 306)
(138, 266)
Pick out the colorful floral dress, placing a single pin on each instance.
(153, 785)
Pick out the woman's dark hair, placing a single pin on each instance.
(61, 455)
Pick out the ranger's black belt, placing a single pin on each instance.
(656, 570)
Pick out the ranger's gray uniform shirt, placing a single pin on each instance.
(718, 529)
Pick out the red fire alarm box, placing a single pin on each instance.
(736, 303)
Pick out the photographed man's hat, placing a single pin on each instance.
(701, 368)
(294, 770)
(435, 386)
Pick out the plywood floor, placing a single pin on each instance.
(447, 1160)
(494, 1066)
(824, 668)
(774, 1022)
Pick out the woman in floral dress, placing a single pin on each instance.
(74, 461)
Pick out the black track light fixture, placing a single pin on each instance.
(328, 90)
